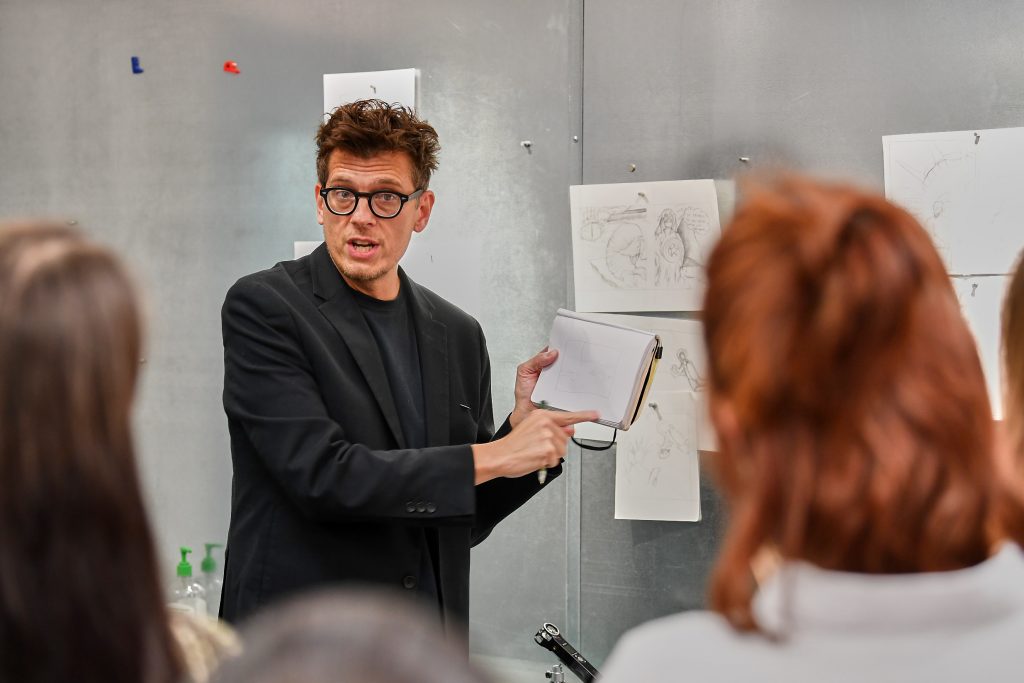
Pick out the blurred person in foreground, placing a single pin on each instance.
(1013, 359)
(856, 447)
(1013, 385)
(347, 636)
(80, 594)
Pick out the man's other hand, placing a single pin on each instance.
(526, 379)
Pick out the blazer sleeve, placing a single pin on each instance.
(270, 392)
(498, 498)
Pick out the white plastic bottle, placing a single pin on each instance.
(188, 595)
(211, 580)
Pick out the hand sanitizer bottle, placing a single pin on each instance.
(211, 580)
(189, 595)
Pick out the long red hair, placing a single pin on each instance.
(855, 428)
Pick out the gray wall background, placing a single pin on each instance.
(198, 177)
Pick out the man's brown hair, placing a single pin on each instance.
(369, 127)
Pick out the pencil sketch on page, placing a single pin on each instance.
(656, 467)
(964, 188)
(642, 246)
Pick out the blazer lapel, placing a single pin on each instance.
(432, 340)
(341, 309)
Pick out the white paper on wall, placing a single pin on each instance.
(657, 472)
(398, 85)
(304, 248)
(642, 246)
(965, 188)
(981, 300)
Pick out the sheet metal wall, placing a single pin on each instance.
(198, 177)
(682, 89)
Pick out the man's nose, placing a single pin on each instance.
(363, 215)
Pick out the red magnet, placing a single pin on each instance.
(231, 67)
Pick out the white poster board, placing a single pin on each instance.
(642, 246)
(398, 85)
(967, 189)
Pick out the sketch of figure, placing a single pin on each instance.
(634, 456)
(684, 367)
(626, 254)
(673, 441)
(694, 226)
(671, 250)
(680, 250)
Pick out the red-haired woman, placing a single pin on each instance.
(856, 445)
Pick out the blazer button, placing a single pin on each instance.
(420, 507)
(410, 507)
(431, 507)
(409, 582)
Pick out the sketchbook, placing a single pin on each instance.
(601, 366)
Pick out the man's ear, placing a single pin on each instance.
(424, 205)
(319, 206)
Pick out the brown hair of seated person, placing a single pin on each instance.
(1013, 390)
(349, 635)
(80, 597)
(854, 424)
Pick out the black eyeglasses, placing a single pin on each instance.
(341, 201)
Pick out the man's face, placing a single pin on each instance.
(366, 249)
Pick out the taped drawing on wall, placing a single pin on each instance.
(656, 467)
(642, 246)
(964, 188)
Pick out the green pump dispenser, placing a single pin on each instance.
(209, 564)
(184, 568)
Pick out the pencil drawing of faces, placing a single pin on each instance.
(671, 250)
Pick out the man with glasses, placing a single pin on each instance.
(359, 403)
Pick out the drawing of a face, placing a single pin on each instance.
(666, 223)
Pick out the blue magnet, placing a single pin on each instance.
(136, 69)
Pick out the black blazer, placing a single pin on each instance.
(324, 489)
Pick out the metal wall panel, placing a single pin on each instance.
(682, 89)
(198, 177)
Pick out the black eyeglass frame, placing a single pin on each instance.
(369, 199)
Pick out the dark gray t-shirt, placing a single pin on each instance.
(393, 329)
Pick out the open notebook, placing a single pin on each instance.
(600, 366)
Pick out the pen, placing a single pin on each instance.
(542, 473)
